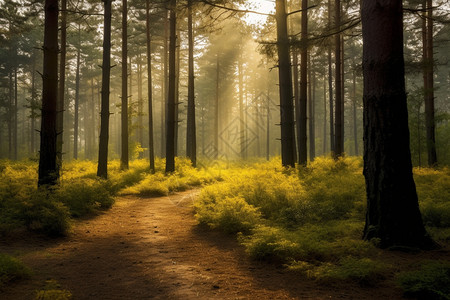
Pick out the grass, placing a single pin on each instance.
(311, 218)
(82, 193)
(308, 218)
(53, 291)
(431, 280)
(12, 269)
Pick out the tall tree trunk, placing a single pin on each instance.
(285, 84)
(429, 90)
(171, 100)
(241, 109)
(355, 127)
(191, 135)
(216, 110)
(393, 214)
(102, 169)
(15, 115)
(177, 91)
(151, 147)
(339, 139)
(140, 106)
(33, 105)
(302, 135)
(93, 123)
(62, 82)
(296, 84)
(77, 98)
(165, 83)
(268, 119)
(48, 170)
(325, 123)
(311, 111)
(124, 118)
(330, 86)
(10, 115)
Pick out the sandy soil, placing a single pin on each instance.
(152, 248)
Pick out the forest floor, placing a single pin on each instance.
(152, 248)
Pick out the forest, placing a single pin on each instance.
(217, 149)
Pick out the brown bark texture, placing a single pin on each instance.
(393, 215)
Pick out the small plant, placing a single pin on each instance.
(44, 214)
(53, 291)
(430, 281)
(12, 269)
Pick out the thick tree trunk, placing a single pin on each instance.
(48, 170)
(429, 89)
(151, 147)
(102, 169)
(171, 99)
(77, 98)
(62, 82)
(339, 138)
(285, 84)
(393, 214)
(191, 135)
(124, 115)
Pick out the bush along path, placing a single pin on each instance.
(152, 248)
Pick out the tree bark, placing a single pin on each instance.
(339, 138)
(33, 106)
(151, 147)
(325, 123)
(216, 110)
(429, 89)
(330, 87)
(140, 105)
(171, 99)
(102, 169)
(285, 84)
(124, 116)
(48, 170)
(191, 135)
(393, 215)
(355, 123)
(303, 101)
(62, 82)
(311, 111)
(241, 110)
(77, 98)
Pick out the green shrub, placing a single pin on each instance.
(364, 271)
(431, 281)
(12, 269)
(270, 243)
(231, 215)
(84, 196)
(44, 214)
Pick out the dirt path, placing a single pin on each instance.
(152, 249)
